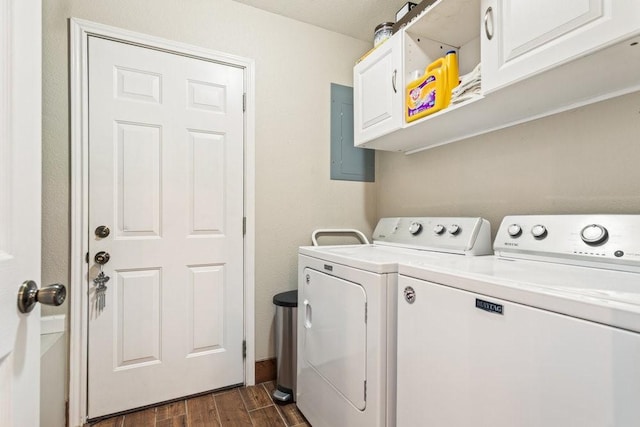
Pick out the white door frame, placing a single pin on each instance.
(78, 301)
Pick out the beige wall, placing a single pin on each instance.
(582, 161)
(295, 64)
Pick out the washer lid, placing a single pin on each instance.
(604, 296)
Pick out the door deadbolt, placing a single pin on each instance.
(102, 231)
(102, 257)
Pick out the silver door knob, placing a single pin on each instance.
(29, 295)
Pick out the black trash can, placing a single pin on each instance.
(286, 342)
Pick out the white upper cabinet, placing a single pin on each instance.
(537, 58)
(523, 38)
(378, 91)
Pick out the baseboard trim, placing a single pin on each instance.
(266, 370)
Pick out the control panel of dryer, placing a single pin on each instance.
(465, 235)
(574, 239)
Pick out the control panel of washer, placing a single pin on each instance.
(613, 239)
(469, 235)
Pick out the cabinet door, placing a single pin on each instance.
(523, 38)
(378, 88)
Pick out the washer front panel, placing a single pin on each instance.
(468, 359)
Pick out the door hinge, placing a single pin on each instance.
(365, 390)
(244, 102)
(244, 225)
(86, 258)
(244, 349)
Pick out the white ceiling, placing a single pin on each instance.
(355, 18)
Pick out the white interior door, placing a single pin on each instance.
(20, 184)
(166, 178)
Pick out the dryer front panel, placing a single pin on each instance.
(335, 329)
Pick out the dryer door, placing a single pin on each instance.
(335, 331)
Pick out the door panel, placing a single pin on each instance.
(138, 188)
(378, 92)
(138, 317)
(206, 181)
(138, 85)
(166, 174)
(528, 38)
(20, 201)
(206, 322)
(529, 25)
(336, 333)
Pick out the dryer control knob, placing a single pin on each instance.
(514, 230)
(539, 231)
(454, 229)
(439, 229)
(594, 234)
(415, 228)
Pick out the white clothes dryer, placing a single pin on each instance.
(544, 333)
(347, 315)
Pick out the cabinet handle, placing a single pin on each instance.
(488, 16)
(393, 81)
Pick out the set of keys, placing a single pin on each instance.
(101, 290)
(101, 280)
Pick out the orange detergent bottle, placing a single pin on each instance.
(429, 93)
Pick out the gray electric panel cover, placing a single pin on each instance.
(348, 163)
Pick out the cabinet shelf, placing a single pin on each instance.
(450, 22)
(575, 84)
(451, 124)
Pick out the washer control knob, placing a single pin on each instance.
(539, 231)
(514, 230)
(415, 228)
(454, 229)
(439, 229)
(594, 234)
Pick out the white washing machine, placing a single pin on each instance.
(544, 333)
(346, 315)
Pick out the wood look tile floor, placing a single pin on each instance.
(239, 407)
